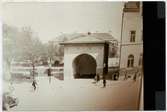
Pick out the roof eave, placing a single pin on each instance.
(65, 43)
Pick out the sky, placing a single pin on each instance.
(51, 19)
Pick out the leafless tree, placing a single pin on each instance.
(21, 44)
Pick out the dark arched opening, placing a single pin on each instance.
(84, 66)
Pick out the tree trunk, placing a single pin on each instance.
(33, 70)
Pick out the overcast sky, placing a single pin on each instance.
(50, 19)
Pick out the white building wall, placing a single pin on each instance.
(72, 51)
(131, 21)
(135, 50)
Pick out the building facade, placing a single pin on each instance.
(131, 48)
(92, 53)
(87, 55)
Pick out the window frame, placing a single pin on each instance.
(130, 61)
(132, 35)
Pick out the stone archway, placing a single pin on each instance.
(84, 66)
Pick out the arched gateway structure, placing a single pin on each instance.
(85, 56)
(84, 66)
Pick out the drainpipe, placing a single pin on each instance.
(121, 41)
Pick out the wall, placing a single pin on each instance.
(72, 51)
(131, 21)
(136, 50)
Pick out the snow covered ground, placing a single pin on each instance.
(76, 94)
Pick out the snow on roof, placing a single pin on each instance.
(103, 36)
(91, 38)
(85, 39)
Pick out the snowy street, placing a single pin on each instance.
(52, 54)
(76, 94)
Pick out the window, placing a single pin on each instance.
(130, 61)
(112, 51)
(140, 59)
(132, 36)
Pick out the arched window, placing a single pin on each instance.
(130, 61)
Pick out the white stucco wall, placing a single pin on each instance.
(72, 51)
(135, 50)
(131, 21)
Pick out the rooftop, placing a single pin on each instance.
(132, 7)
(90, 38)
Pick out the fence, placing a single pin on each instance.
(40, 70)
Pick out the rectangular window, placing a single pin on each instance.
(132, 36)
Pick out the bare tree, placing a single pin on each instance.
(32, 49)
(51, 50)
(21, 45)
(9, 35)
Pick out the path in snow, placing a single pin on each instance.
(77, 94)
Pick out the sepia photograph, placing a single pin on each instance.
(72, 56)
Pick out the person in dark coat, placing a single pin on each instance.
(135, 75)
(49, 74)
(104, 81)
(34, 83)
(126, 75)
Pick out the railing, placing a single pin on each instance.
(55, 70)
(58, 72)
(39, 69)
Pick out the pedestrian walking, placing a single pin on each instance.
(98, 78)
(104, 81)
(49, 74)
(135, 76)
(126, 75)
(34, 83)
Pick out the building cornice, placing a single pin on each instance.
(126, 44)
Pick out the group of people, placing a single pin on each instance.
(97, 79)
